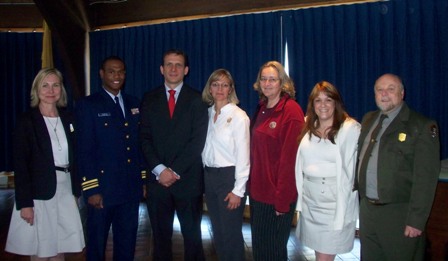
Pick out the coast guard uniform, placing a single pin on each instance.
(109, 164)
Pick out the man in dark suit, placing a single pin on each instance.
(398, 168)
(109, 160)
(173, 131)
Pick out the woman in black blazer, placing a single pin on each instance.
(45, 223)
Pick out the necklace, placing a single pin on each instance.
(55, 130)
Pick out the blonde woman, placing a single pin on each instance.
(226, 164)
(45, 223)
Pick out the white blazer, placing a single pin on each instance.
(347, 203)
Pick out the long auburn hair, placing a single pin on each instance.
(312, 120)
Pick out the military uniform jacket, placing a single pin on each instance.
(408, 162)
(109, 158)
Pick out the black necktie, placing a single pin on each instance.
(368, 152)
(118, 107)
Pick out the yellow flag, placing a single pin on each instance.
(47, 50)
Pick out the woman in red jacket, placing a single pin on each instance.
(273, 195)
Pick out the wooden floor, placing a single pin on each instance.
(296, 251)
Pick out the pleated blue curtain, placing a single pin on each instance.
(240, 44)
(20, 60)
(349, 45)
(352, 45)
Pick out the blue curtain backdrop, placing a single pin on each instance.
(20, 60)
(349, 45)
(240, 44)
(352, 45)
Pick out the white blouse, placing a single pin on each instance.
(227, 143)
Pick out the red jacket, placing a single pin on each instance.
(273, 153)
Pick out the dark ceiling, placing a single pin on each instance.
(26, 15)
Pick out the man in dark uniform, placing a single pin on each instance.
(398, 168)
(109, 163)
(173, 131)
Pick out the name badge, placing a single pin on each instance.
(402, 137)
(135, 111)
(104, 114)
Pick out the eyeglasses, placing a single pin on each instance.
(269, 80)
(222, 85)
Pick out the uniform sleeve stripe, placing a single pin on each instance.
(89, 187)
(89, 182)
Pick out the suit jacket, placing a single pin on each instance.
(408, 162)
(34, 169)
(108, 153)
(175, 142)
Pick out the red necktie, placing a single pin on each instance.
(171, 102)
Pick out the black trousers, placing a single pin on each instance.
(226, 224)
(162, 206)
(124, 221)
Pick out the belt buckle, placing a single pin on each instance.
(375, 202)
(64, 169)
(372, 201)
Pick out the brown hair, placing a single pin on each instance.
(312, 121)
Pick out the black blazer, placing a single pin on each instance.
(178, 142)
(34, 170)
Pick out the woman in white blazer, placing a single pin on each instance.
(325, 171)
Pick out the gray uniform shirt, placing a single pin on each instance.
(371, 172)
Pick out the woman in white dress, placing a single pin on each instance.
(45, 222)
(325, 171)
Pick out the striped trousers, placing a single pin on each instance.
(270, 233)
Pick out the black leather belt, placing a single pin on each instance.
(64, 169)
(375, 202)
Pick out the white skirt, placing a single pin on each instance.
(316, 219)
(57, 225)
